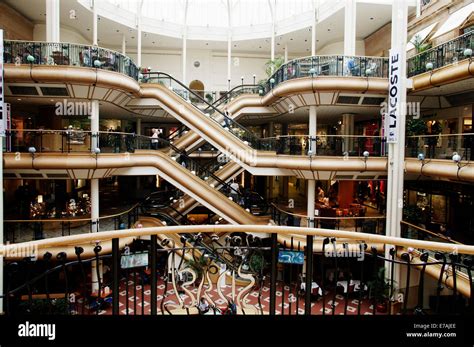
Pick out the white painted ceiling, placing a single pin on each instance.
(370, 17)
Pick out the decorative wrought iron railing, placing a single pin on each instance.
(450, 52)
(71, 54)
(348, 273)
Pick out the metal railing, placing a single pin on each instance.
(441, 146)
(350, 219)
(449, 52)
(38, 227)
(334, 65)
(344, 274)
(70, 54)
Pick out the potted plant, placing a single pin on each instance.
(379, 290)
(415, 127)
(271, 66)
(209, 98)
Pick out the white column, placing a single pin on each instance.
(396, 153)
(350, 27)
(313, 27)
(94, 24)
(272, 44)
(139, 36)
(286, 52)
(229, 58)
(124, 45)
(185, 38)
(184, 57)
(1, 216)
(95, 228)
(312, 183)
(52, 21)
(139, 126)
(229, 42)
(94, 124)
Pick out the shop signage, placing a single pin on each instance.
(291, 257)
(133, 260)
(394, 90)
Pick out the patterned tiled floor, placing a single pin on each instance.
(287, 302)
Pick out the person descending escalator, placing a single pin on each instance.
(154, 138)
(234, 191)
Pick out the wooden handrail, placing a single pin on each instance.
(264, 229)
(58, 220)
(431, 233)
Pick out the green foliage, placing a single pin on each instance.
(209, 98)
(272, 65)
(420, 46)
(257, 262)
(198, 265)
(380, 286)
(415, 127)
(413, 214)
(43, 306)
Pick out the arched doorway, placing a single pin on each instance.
(197, 87)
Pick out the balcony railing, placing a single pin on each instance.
(70, 54)
(337, 273)
(442, 146)
(352, 218)
(336, 65)
(450, 52)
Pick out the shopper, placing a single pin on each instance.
(154, 138)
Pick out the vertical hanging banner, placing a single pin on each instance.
(393, 116)
(2, 105)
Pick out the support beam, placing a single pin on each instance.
(94, 24)
(272, 44)
(350, 27)
(313, 26)
(94, 125)
(184, 43)
(52, 21)
(229, 43)
(396, 153)
(1, 210)
(348, 129)
(139, 126)
(139, 33)
(124, 45)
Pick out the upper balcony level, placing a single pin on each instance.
(68, 54)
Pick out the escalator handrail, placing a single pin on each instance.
(225, 117)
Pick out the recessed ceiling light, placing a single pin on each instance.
(207, 43)
(371, 18)
(260, 47)
(305, 40)
(153, 42)
(88, 29)
(117, 30)
(19, 99)
(291, 39)
(51, 100)
(329, 29)
(235, 45)
(278, 44)
(133, 37)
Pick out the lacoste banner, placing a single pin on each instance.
(392, 118)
